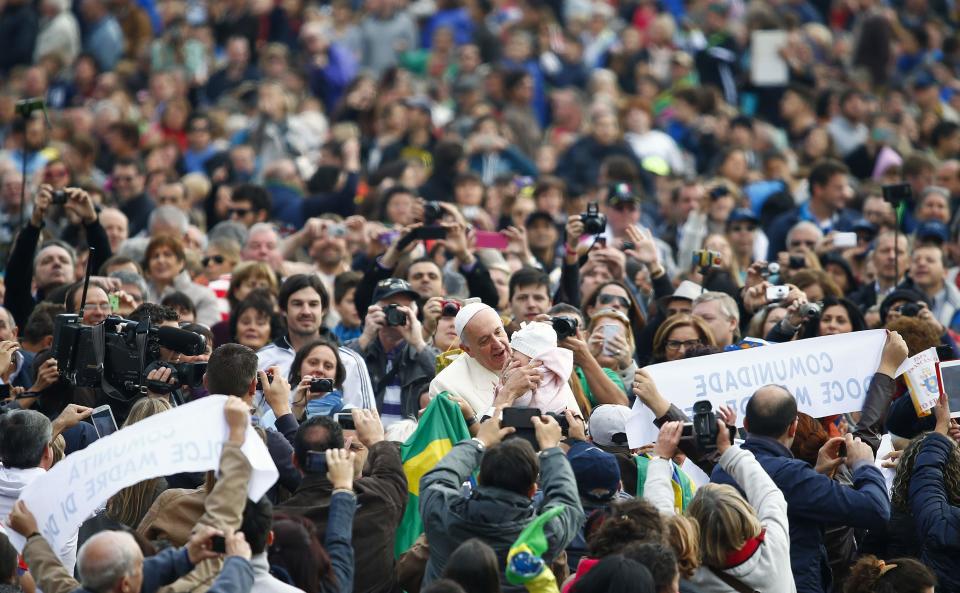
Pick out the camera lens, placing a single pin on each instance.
(450, 309)
(432, 212)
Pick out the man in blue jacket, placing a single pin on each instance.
(814, 501)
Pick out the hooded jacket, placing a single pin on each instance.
(494, 515)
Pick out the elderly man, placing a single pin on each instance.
(112, 561)
(721, 314)
(482, 373)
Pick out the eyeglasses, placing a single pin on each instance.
(238, 212)
(674, 345)
(91, 307)
(217, 259)
(611, 299)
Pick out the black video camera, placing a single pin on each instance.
(704, 429)
(564, 326)
(321, 385)
(594, 223)
(395, 317)
(114, 355)
(181, 373)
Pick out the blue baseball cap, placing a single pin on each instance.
(743, 215)
(597, 472)
(933, 229)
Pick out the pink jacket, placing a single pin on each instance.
(554, 393)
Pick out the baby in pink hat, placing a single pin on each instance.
(537, 341)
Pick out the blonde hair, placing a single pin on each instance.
(683, 537)
(617, 315)
(129, 505)
(726, 522)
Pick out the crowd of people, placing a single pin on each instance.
(431, 247)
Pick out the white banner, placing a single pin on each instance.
(828, 375)
(187, 438)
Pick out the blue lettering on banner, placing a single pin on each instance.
(757, 375)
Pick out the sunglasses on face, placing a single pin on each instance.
(611, 299)
(217, 259)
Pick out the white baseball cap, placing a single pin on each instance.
(608, 421)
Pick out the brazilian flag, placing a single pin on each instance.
(683, 487)
(440, 428)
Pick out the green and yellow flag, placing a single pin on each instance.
(440, 428)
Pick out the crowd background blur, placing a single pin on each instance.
(399, 225)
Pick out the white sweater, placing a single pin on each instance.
(768, 570)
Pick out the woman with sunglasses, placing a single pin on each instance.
(615, 295)
(219, 259)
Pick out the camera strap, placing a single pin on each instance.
(98, 338)
(733, 582)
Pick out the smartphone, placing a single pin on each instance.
(522, 420)
(316, 462)
(4, 391)
(777, 293)
(103, 421)
(114, 303)
(601, 242)
(491, 240)
(426, 233)
(845, 240)
(345, 420)
(948, 376)
(609, 333)
(218, 544)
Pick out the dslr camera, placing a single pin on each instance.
(594, 223)
(395, 317)
(182, 373)
(449, 308)
(117, 354)
(910, 309)
(431, 212)
(564, 326)
(321, 385)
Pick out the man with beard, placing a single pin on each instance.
(302, 301)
